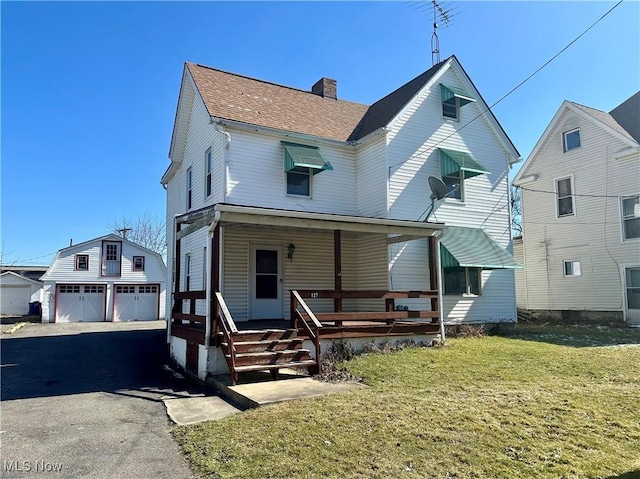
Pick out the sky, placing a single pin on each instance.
(89, 89)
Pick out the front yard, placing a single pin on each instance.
(548, 402)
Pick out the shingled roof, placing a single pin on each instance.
(256, 102)
(238, 98)
(627, 114)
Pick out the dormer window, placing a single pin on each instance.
(571, 140)
(452, 100)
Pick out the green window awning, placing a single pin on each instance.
(454, 161)
(473, 248)
(304, 157)
(448, 92)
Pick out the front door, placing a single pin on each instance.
(266, 282)
(632, 283)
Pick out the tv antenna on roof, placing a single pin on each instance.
(442, 15)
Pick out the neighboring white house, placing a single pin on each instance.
(301, 190)
(581, 215)
(16, 292)
(104, 279)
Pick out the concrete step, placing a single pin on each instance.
(264, 367)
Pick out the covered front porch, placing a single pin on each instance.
(281, 285)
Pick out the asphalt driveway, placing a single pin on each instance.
(84, 400)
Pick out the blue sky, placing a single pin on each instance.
(89, 89)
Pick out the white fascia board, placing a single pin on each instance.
(524, 180)
(170, 173)
(325, 221)
(540, 142)
(382, 130)
(274, 131)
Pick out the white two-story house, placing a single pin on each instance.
(274, 190)
(581, 215)
(104, 279)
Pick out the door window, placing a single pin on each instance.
(266, 274)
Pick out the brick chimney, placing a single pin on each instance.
(326, 87)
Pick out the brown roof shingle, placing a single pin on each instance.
(605, 118)
(234, 97)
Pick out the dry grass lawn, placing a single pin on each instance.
(547, 402)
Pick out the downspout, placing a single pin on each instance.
(440, 287)
(225, 163)
(208, 322)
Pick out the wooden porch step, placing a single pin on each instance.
(270, 357)
(265, 335)
(263, 367)
(268, 345)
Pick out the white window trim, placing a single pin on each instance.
(557, 197)
(572, 261)
(207, 173)
(187, 272)
(461, 200)
(466, 294)
(625, 240)
(189, 189)
(449, 118)
(564, 140)
(302, 197)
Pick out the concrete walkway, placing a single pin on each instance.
(255, 390)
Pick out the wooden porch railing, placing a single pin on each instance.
(300, 320)
(222, 321)
(388, 316)
(194, 331)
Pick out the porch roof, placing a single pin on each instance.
(228, 214)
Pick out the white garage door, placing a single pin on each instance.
(80, 303)
(136, 303)
(15, 300)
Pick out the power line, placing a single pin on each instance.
(431, 148)
(578, 194)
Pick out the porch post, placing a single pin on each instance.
(433, 271)
(176, 270)
(439, 285)
(214, 278)
(337, 268)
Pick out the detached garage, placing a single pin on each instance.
(104, 279)
(16, 292)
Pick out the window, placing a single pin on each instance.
(452, 100)
(633, 287)
(69, 288)
(138, 263)
(451, 108)
(453, 182)
(126, 289)
(187, 271)
(631, 217)
(82, 262)
(189, 188)
(572, 268)
(571, 140)
(93, 289)
(459, 280)
(208, 170)
(564, 192)
(299, 181)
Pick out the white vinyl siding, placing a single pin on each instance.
(595, 236)
(371, 184)
(257, 178)
(413, 142)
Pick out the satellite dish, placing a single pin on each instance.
(438, 188)
(438, 191)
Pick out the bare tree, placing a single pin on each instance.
(516, 211)
(145, 230)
